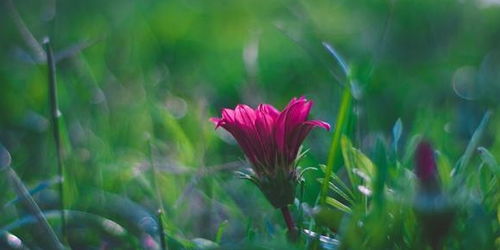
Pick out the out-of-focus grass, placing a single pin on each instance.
(153, 72)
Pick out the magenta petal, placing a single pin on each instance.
(245, 115)
(298, 112)
(293, 101)
(320, 124)
(244, 140)
(228, 115)
(217, 121)
(264, 125)
(279, 131)
(291, 117)
(295, 139)
(269, 110)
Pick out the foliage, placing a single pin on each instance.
(138, 80)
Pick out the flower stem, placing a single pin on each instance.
(292, 229)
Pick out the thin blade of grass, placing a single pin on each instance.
(40, 187)
(489, 159)
(44, 232)
(349, 164)
(473, 143)
(342, 185)
(159, 199)
(337, 204)
(161, 228)
(220, 231)
(55, 115)
(381, 173)
(444, 169)
(334, 151)
(397, 131)
(341, 193)
(36, 50)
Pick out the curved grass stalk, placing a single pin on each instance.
(334, 152)
(159, 200)
(44, 232)
(55, 114)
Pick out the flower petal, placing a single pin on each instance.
(292, 116)
(426, 163)
(320, 124)
(217, 121)
(264, 125)
(269, 110)
(228, 115)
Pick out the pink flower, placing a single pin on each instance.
(269, 138)
(433, 207)
(425, 168)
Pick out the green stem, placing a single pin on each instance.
(55, 115)
(43, 232)
(159, 200)
(162, 230)
(342, 119)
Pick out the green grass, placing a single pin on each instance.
(143, 167)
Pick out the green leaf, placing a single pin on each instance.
(397, 131)
(341, 193)
(328, 217)
(340, 183)
(347, 153)
(410, 149)
(45, 234)
(473, 143)
(220, 231)
(337, 204)
(201, 243)
(489, 160)
(354, 161)
(381, 175)
(444, 169)
(364, 163)
(342, 120)
(302, 171)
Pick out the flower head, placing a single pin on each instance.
(433, 207)
(426, 168)
(271, 141)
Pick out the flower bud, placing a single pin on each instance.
(432, 206)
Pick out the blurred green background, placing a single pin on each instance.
(135, 75)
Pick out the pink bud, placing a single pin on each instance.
(425, 163)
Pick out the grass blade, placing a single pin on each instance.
(489, 159)
(334, 151)
(341, 193)
(159, 199)
(55, 114)
(44, 232)
(40, 187)
(349, 163)
(473, 143)
(220, 231)
(29, 39)
(337, 204)
(397, 131)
